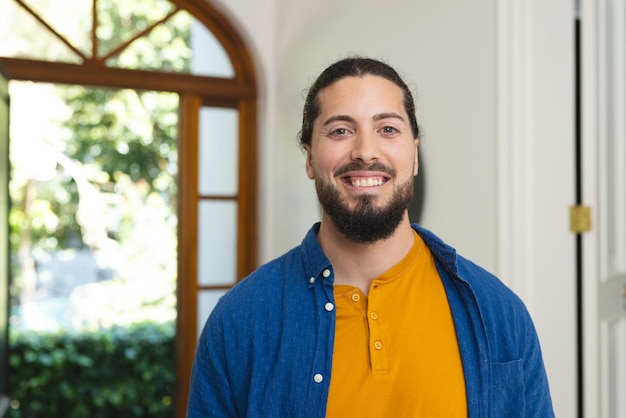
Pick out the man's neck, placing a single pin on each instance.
(357, 264)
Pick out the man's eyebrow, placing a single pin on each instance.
(377, 117)
(342, 118)
(388, 115)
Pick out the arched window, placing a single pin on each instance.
(214, 79)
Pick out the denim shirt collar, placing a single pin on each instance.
(442, 251)
(315, 261)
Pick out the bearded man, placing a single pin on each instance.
(370, 316)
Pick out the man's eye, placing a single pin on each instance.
(339, 131)
(389, 130)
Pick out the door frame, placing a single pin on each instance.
(590, 262)
(535, 141)
(595, 397)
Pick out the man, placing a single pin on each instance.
(370, 316)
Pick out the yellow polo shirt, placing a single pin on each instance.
(396, 353)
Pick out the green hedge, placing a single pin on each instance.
(119, 372)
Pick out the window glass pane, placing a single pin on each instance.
(93, 187)
(218, 151)
(93, 250)
(120, 20)
(207, 299)
(21, 36)
(209, 57)
(217, 242)
(181, 44)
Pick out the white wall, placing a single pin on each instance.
(451, 51)
(446, 49)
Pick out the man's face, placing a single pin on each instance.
(363, 157)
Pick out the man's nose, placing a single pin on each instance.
(365, 148)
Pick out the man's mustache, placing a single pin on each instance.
(358, 166)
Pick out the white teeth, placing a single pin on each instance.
(367, 182)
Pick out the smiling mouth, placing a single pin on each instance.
(363, 176)
(365, 181)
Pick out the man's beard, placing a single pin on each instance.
(366, 223)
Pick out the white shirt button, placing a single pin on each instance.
(329, 307)
(326, 273)
(312, 280)
(318, 378)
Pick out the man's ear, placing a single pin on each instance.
(309, 162)
(416, 164)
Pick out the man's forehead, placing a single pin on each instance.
(379, 95)
(361, 83)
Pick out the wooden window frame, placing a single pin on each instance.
(194, 91)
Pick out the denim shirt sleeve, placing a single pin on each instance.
(263, 355)
(519, 386)
(266, 349)
(210, 392)
(505, 374)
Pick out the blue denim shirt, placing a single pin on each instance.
(267, 347)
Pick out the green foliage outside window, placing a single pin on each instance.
(119, 372)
